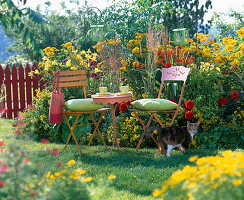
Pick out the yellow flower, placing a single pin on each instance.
(30, 73)
(111, 177)
(36, 71)
(229, 47)
(97, 70)
(89, 51)
(73, 68)
(57, 174)
(68, 63)
(135, 63)
(193, 158)
(240, 32)
(71, 162)
(48, 174)
(136, 50)
(88, 179)
(235, 62)
(237, 182)
(157, 192)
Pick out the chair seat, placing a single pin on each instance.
(153, 111)
(83, 112)
(82, 105)
(154, 105)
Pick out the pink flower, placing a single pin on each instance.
(3, 168)
(55, 152)
(49, 151)
(60, 165)
(2, 150)
(40, 164)
(44, 141)
(2, 183)
(2, 143)
(20, 117)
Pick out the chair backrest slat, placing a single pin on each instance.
(63, 79)
(72, 84)
(69, 73)
(176, 73)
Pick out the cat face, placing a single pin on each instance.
(192, 128)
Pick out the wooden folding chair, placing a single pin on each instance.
(177, 73)
(72, 79)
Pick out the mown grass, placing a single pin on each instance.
(137, 175)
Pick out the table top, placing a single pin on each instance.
(112, 98)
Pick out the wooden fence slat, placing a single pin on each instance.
(28, 85)
(8, 92)
(34, 80)
(2, 104)
(21, 88)
(15, 91)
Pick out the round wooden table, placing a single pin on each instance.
(113, 100)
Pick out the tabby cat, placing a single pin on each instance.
(174, 136)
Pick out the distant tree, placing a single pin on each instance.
(13, 17)
(227, 28)
(190, 16)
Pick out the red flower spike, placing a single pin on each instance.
(44, 141)
(189, 115)
(55, 152)
(223, 101)
(122, 107)
(234, 95)
(189, 104)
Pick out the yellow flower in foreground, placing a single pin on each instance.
(71, 162)
(111, 177)
(156, 193)
(237, 182)
(73, 68)
(193, 158)
(136, 50)
(36, 71)
(88, 179)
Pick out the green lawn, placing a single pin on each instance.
(137, 175)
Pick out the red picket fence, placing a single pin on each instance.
(20, 88)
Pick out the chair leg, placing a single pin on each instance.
(72, 133)
(145, 129)
(97, 129)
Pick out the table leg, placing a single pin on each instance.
(113, 109)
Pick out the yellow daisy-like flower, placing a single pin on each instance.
(36, 71)
(68, 63)
(97, 70)
(71, 162)
(240, 32)
(156, 193)
(111, 177)
(193, 158)
(88, 179)
(73, 68)
(136, 50)
(237, 182)
(80, 171)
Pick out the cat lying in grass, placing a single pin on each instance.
(174, 136)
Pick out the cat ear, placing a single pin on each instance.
(188, 123)
(198, 123)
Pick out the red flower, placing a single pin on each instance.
(32, 194)
(3, 168)
(173, 100)
(2, 143)
(226, 72)
(2, 183)
(223, 101)
(234, 95)
(189, 115)
(4, 110)
(122, 107)
(26, 160)
(44, 141)
(189, 104)
(167, 65)
(158, 53)
(55, 152)
(60, 164)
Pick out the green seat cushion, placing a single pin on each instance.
(154, 104)
(79, 105)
